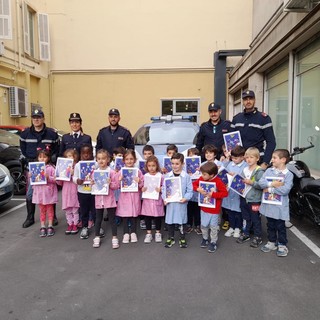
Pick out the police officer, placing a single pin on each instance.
(38, 136)
(114, 135)
(211, 132)
(76, 138)
(255, 128)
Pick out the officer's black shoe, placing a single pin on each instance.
(28, 223)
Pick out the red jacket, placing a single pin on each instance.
(222, 192)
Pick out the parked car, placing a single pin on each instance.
(165, 130)
(12, 158)
(6, 185)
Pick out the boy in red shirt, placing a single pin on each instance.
(210, 215)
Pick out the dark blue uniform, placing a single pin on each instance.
(213, 134)
(70, 142)
(108, 139)
(256, 130)
(31, 140)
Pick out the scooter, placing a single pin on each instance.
(304, 197)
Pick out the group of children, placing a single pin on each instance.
(184, 215)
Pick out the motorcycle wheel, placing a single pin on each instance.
(296, 203)
(313, 202)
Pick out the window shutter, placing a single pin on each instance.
(26, 30)
(44, 39)
(5, 20)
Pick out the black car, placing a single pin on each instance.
(12, 158)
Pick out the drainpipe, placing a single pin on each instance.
(18, 32)
(220, 75)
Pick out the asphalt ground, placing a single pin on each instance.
(64, 277)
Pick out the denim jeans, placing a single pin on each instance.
(276, 230)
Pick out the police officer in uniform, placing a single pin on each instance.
(76, 138)
(211, 132)
(114, 135)
(255, 128)
(38, 136)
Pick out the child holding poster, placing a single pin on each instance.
(210, 215)
(176, 212)
(277, 181)
(129, 203)
(152, 206)
(46, 195)
(106, 201)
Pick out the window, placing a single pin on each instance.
(28, 30)
(183, 107)
(5, 20)
(278, 105)
(307, 102)
(44, 40)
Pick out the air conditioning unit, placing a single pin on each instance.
(18, 102)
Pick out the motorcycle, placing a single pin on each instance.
(304, 197)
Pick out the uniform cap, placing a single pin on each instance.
(37, 113)
(248, 93)
(214, 107)
(75, 116)
(114, 112)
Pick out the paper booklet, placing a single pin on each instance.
(86, 170)
(204, 201)
(239, 186)
(167, 164)
(142, 164)
(193, 166)
(127, 183)
(224, 176)
(118, 163)
(37, 171)
(151, 182)
(172, 189)
(272, 198)
(232, 139)
(64, 169)
(101, 185)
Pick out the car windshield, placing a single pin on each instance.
(165, 134)
(9, 138)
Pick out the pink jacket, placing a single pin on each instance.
(69, 194)
(129, 203)
(46, 193)
(108, 201)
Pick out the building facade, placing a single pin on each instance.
(283, 67)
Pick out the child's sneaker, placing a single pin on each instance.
(75, 229)
(255, 243)
(69, 229)
(183, 243)
(169, 243)
(282, 250)
(126, 238)
(236, 233)
(143, 225)
(197, 230)
(133, 237)
(229, 233)
(212, 247)
(43, 232)
(189, 229)
(225, 225)
(50, 232)
(84, 234)
(243, 238)
(269, 246)
(147, 239)
(115, 243)
(204, 243)
(96, 242)
(158, 237)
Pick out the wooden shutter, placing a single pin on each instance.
(26, 29)
(44, 38)
(5, 20)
